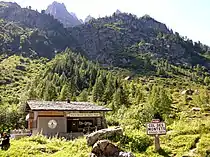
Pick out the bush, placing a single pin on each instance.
(135, 141)
(203, 147)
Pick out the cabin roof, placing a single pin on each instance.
(35, 105)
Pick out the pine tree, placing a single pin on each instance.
(133, 89)
(109, 89)
(83, 96)
(50, 92)
(65, 93)
(207, 80)
(124, 95)
(116, 102)
(98, 90)
(138, 96)
(159, 101)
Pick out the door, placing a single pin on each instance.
(72, 125)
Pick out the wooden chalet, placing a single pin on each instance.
(59, 117)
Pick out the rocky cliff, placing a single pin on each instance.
(59, 12)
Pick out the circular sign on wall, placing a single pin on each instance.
(52, 124)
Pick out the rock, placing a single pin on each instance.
(127, 78)
(59, 12)
(196, 109)
(102, 134)
(191, 153)
(125, 154)
(88, 18)
(92, 155)
(189, 99)
(196, 91)
(20, 67)
(105, 148)
(188, 92)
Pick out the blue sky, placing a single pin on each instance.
(190, 18)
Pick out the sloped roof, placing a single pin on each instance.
(64, 106)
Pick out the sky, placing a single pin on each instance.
(190, 18)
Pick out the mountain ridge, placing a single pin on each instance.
(59, 12)
(121, 40)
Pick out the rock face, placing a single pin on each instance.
(118, 11)
(60, 13)
(102, 134)
(104, 38)
(121, 40)
(88, 18)
(105, 148)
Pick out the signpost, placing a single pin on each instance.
(156, 128)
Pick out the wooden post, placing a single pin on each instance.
(157, 143)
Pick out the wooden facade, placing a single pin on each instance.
(53, 119)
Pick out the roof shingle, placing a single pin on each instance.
(64, 106)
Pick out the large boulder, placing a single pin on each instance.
(105, 148)
(103, 134)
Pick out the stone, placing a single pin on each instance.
(103, 134)
(195, 109)
(189, 99)
(125, 154)
(191, 153)
(187, 92)
(59, 12)
(104, 148)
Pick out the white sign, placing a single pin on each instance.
(156, 128)
(83, 115)
(52, 124)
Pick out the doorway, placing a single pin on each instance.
(72, 125)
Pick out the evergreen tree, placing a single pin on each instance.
(159, 101)
(50, 92)
(109, 89)
(98, 90)
(207, 80)
(133, 89)
(116, 102)
(83, 96)
(124, 95)
(65, 93)
(139, 95)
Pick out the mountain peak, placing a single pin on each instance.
(88, 18)
(55, 3)
(59, 12)
(118, 11)
(147, 17)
